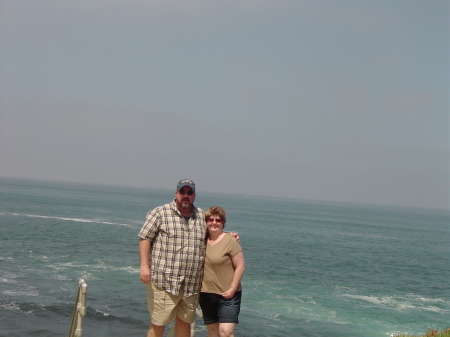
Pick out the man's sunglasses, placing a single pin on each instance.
(188, 192)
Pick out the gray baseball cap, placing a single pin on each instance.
(186, 182)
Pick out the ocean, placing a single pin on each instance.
(314, 269)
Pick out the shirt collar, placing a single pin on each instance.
(174, 207)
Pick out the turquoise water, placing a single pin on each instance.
(313, 269)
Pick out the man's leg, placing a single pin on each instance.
(185, 314)
(182, 329)
(161, 306)
(156, 331)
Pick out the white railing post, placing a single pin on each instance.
(79, 310)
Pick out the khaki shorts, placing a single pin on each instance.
(164, 306)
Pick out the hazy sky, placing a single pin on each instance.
(324, 100)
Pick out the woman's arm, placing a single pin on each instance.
(239, 264)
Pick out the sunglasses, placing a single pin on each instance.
(184, 192)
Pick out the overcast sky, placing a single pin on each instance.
(323, 100)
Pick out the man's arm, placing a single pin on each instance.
(144, 252)
(236, 236)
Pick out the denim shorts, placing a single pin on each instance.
(215, 308)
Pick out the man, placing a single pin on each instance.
(172, 251)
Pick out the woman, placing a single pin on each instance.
(220, 297)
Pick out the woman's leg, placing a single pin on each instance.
(213, 330)
(226, 329)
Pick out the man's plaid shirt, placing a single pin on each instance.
(177, 248)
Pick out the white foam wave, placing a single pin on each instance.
(33, 293)
(62, 278)
(8, 277)
(371, 299)
(5, 280)
(102, 313)
(400, 303)
(89, 269)
(12, 306)
(425, 299)
(70, 219)
(131, 270)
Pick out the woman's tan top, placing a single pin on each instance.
(219, 269)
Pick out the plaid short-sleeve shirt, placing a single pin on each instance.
(177, 248)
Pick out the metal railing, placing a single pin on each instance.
(79, 310)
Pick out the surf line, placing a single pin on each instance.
(68, 219)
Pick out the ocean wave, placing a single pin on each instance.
(425, 299)
(410, 301)
(70, 219)
(32, 308)
(5, 280)
(8, 277)
(32, 292)
(98, 265)
(11, 306)
(103, 315)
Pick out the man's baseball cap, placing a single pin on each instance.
(186, 182)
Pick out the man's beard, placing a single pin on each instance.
(185, 204)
